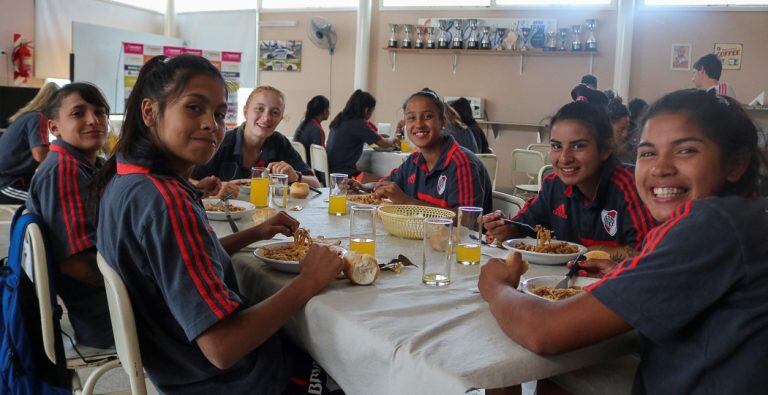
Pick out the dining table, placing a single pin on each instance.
(399, 336)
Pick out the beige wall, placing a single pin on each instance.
(316, 77)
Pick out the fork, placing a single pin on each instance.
(567, 282)
(225, 202)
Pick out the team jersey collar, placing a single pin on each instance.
(446, 154)
(573, 192)
(63, 147)
(126, 166)
(267, 150)
(319, 126)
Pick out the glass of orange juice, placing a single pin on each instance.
(362, 230)
(260, 186)
(469, 236)
(337, 201)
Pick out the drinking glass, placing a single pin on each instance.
(469, 236)
(436, 262)
(279, 190)
(337, 201)
(362, 230)
(260, 186)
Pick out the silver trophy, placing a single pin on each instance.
(564, 39)
(485, 41)
(551, 43)
(576, 43)
(393, 28)
(419, 44)
(473, 42)
(591, 40)
(406, 43)
(442, 40)
(526, 33)
(430, 37)
(457, 42)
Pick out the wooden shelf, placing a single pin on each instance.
(455, 53)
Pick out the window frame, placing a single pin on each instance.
(495, 7)
(682, 7)
(304, 9)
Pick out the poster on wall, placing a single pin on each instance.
(136, 54)
(280, 55)
(730, 55)
(681, 57)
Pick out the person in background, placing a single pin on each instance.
(458, 130)
(464, 109)
(351, 129)
(78, 116)
(696, 302)
(706, 75)
(624, 142)
(442, 173)
(590, 198)
(636, 107)
(24, 146)
(197, 335)
(256, 143)
(589, 80)
(583, 92)
(310, 131)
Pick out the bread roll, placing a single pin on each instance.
(597, 255)
(508, 260)
(361, 269)
(299, 190)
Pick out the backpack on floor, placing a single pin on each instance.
(24, 366)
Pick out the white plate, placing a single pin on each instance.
(550, 281)
(222, 216)
(283, 266)
(543, 258)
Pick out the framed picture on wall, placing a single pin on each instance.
(280, 55)
(730, 55)
(681, 57)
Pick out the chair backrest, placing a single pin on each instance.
(491, 164)
(35, 263)
(527, 161)
(508, 204)
(123, 326)
(543, 148)
(543, 172)
(320, 161)
(299, 147)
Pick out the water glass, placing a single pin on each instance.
(279, 190)
(260, 186)
(436, 262)
(468, 235)
(362, 230)
(337, 201)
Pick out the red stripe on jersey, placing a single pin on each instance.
(589, 242)
(65, 213)
(642, 211)
(78, 203)
(129, 168)
(322, 132)
(431, 199)
(189, 220)
(527, 205)
(465, 179)
(622, 185)
(68, 166)
(185, 254)
(450, 153)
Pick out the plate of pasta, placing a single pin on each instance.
(214, 209)
(544, 250)
(543, 287)
(285, 256)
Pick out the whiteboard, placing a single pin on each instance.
(98, 52)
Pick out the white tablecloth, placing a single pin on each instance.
(399, 336)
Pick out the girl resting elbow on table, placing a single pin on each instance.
(255, 143)
(196, 333)
(696, 291)
(589, 199)
(442, 174)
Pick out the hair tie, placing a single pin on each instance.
(582, 98)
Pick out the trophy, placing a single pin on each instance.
(406, 43)
(393, 27)
(485, 42)
(551, 43)
(442, 41)
(563, 39)
(419, 44)
(591, 40)
(473, 42)
(510, 39)
(526, 32)
(457, 42)
(576, 43)
(430, 37)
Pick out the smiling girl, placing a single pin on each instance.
(196, 333)
(696, 291)
(590, 199)
(77, 116)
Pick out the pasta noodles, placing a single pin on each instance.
(545, 245)
(291, 252)
(364, 199)
(557, 293)
(220, 208)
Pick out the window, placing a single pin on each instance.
(718, 3)
(220, 5)
(298, 4)
(552, 2)
(153, 5)
(436, 3)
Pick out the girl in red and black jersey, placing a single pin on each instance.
(590, 199)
